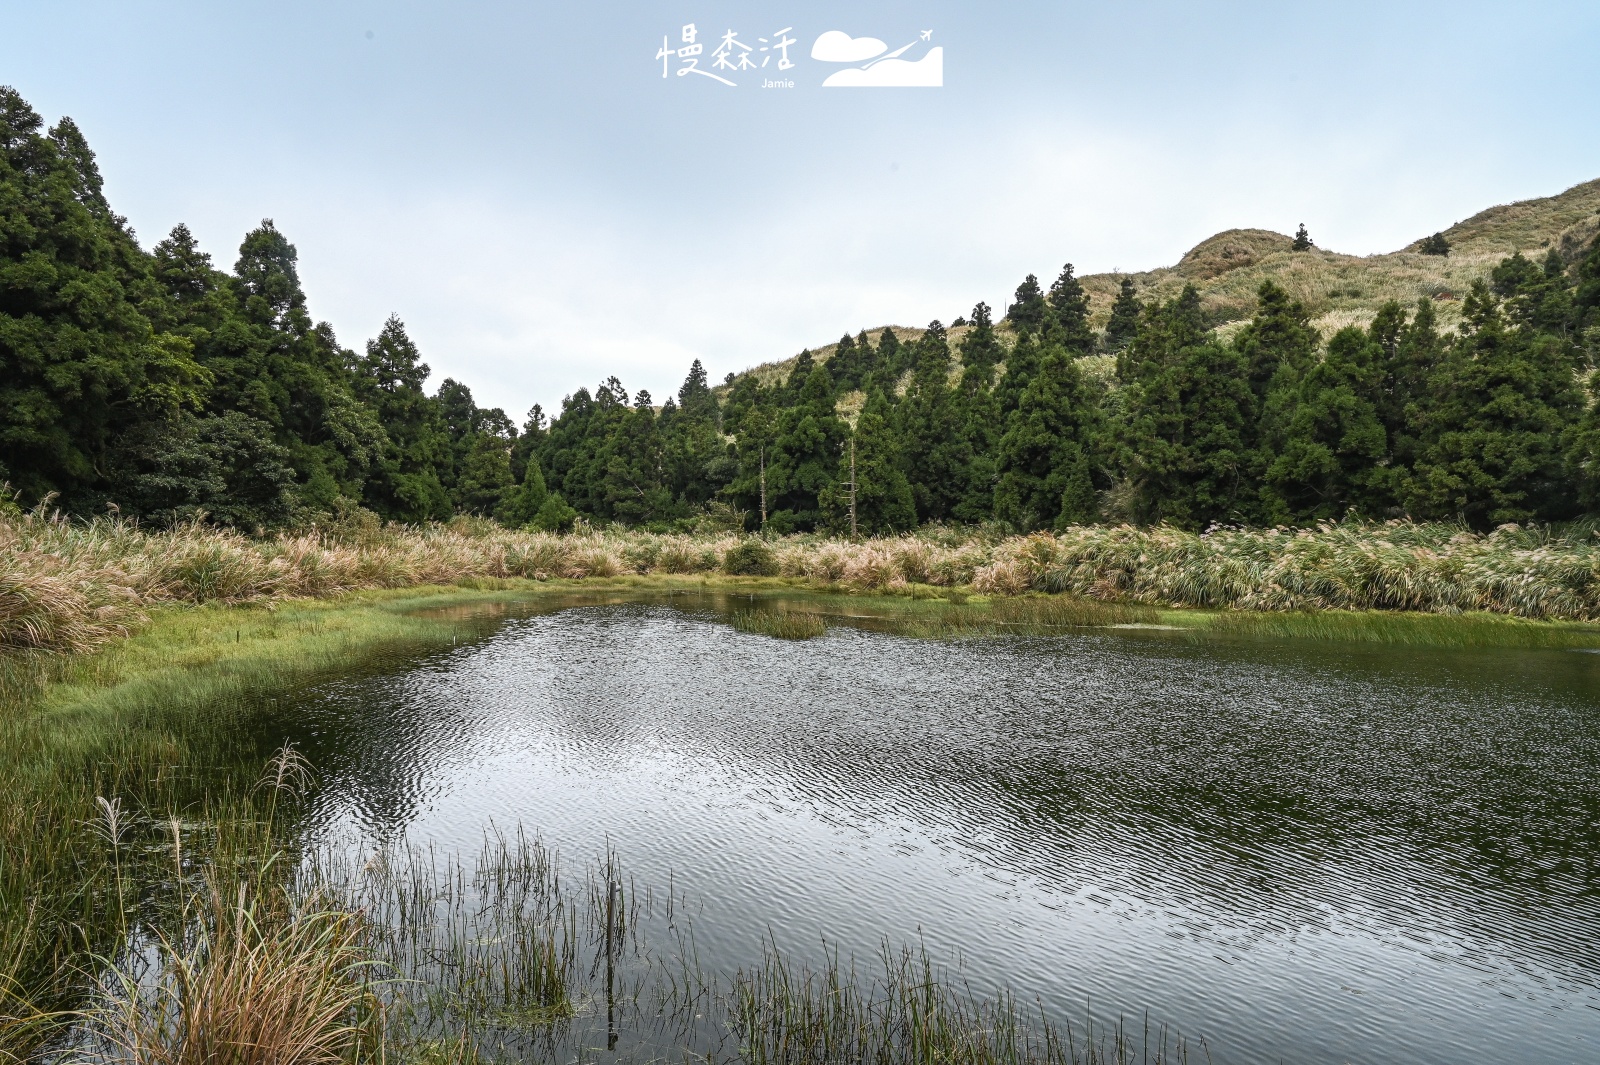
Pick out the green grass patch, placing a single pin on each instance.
(1396, 629)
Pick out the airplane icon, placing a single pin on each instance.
(927, 35)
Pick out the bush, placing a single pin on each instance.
(750, 559)
(554, 515)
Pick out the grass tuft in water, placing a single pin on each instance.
(783, 624)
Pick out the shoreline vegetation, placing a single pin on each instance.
(138, 663)
(70, 587)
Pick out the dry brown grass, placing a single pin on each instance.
(69, 587)
(258, 981)
(1337, 289)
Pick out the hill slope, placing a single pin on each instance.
(1337, 289)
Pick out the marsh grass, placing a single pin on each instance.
(1405, 630)
(905, 1008)
(67, 587)
(781, 624)
(251, 976)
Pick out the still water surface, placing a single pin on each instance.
(1293, 850)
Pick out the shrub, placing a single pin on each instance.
(752, 558)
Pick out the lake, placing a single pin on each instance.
(1298, 851)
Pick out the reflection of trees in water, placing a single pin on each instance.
(1255, 786)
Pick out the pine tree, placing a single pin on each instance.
(1302, 240)
(1434, 245)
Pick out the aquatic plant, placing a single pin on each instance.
(783, 624)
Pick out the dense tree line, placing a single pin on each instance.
(161, 385)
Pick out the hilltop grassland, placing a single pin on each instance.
(71, 587)
(1336, 289)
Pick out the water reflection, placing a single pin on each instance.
(1305, 851)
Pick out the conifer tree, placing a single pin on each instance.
(883, 498)
(79, 364)
(928, 421)
(1332, 458)
(1491, 442)
(1069, 307)
(1028, 306)
(1302, 240)
(1125, 312)
(1045, 457)
(1184, 443)
(804, 456)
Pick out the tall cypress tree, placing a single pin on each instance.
(1332, 457)
(1069, 307)
(883, 498)
(1045, 458)
(1028, 307)
(1491, 442)
(1125, 312)
(929, 424)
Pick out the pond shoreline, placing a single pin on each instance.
(153, 721)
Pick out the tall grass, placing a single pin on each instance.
(69, 586)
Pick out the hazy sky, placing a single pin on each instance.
(542, 208)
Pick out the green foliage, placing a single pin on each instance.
(225, 468)
(1302, 240)
(554, 515)
(168, 388)
(750, 558)
(883, 499)
(1124, 323)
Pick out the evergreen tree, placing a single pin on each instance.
(930, 428)
(520, 505)
(1184, 443)
(804, 457)
(883, 498)
(981, 351)
(1125, 312)
(1491, 443)
(79, 363)
(1332, 458)
(1302, 240)
(1028, 307)
(1434, 245)
(406, 485)
(1069, 308)
(1045, 458)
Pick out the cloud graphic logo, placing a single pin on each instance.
(836, 46)
(891, 73)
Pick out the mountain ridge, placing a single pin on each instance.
(1337, 289)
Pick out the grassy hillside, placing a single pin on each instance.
(1337, 289)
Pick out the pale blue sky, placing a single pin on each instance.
(519, 183)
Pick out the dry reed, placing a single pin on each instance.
(69, 586)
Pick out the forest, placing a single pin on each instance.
(156, 385)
